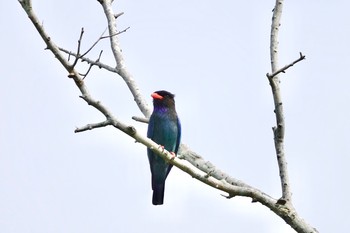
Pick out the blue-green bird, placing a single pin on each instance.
(163, 128)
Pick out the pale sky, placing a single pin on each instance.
(214, 57)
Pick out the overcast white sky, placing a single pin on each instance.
(214, 57)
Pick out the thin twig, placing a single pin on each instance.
(283, 69)
(82, 56)
(89, 61)
(78, 49)
(118, 15)
(101, 38)
(91, 65)
(118, 33)
(140, 119)
(94, 44)
(93, 126)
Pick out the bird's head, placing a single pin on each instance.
(163, 99)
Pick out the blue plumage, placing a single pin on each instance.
(164, 128)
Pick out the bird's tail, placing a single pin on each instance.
(158, 194)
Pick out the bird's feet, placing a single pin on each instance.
(173, 155)
(162, 147)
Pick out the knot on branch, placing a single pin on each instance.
(130, 130)
(281, 201)
(278, 132)
(72, 75)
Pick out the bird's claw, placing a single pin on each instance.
(173, 155)
(162, 147)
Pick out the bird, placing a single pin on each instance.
(164, 128)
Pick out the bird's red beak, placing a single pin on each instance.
(156, 96)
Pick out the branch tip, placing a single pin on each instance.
(283, 69)
(229, 196)
(92, 126)
(118, 15)
(140, 119)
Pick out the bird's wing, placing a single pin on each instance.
(150, 133)
(178, 139)
(150, 127)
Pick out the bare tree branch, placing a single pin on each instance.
(279, 129)
(93, 126)
(78, 49)
(122, 71)
(118, 33)
(118, 15)
(90, 61)
(101, 38)
(298, 224)
(91, 65)
(283, 69)
(93, 45)
(140, 119)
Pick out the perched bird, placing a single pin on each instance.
(163, 128)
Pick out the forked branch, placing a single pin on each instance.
(279, 129)
(284, 68)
